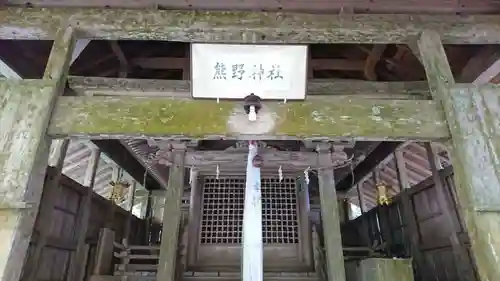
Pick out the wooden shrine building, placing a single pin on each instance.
(389, 107)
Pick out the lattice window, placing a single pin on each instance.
(223, 204)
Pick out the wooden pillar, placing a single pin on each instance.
(410, 221)
(330, 216)
(25, 108)
(194, 217)
(77, 265)
(472, 113)
(104, 253)
(130, 208)
(172, 216)
(385, 270)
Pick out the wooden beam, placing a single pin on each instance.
(472, 113)
(366, 119)
(25, 108)
(7, 71)
(99, 86)
(270, 157)
(381, 152)
(409, 219)
(123, 158)
(184, 63)
(482, 67)
(172, 217)
(244, 27)
(330, 216)
(76, 270)
(79, 48)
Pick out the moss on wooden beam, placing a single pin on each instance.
(182, 88)
(244, 27)
(325, 117)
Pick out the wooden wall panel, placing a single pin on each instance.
(56, 255)
(433, 230)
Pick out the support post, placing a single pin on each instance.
(330, 215)
(130, 208)
(411, 228)
(194, 216)
(104, 254)
(473, 114)
(77, 265)
(25, 108)
(172, 215)
(253, 269)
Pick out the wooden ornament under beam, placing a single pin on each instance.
(331, 117)
(244, 27)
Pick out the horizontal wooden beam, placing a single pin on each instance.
(287, 159)
(123, 158)
(330, 117)
(244, 27)
(380, 153)
(100, 86)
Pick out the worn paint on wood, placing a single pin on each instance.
(330, 217)
(328, 117)
(182, 88)
(172, 218)
(473, 114)
(244, 27)
(385, 270)
(24, 113)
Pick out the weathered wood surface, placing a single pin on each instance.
(172, 218)
(330, 217)
(408, 216)
(375, 269)
(244, 27)
(51, 191)
(473, 114)
(104, 117)
(182, 88)
(24, 113)
(75, 269)
(25, 107)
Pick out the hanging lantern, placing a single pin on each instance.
(383, 198)
(118, 191)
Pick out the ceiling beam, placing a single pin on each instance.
(122, 157)
(244, 26)
(325, 117)
(381, 152)
(92, 86)
(482, 67)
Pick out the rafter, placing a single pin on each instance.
(245, 27)
(483, 66)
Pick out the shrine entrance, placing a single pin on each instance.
(260, 127)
